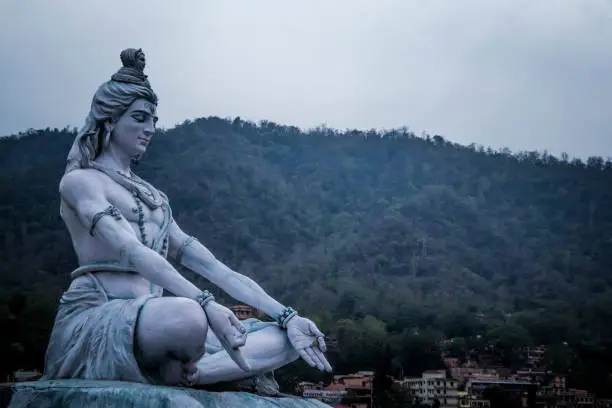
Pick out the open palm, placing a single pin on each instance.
(309, 342)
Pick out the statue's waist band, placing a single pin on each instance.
(103, 266)
(110, 266)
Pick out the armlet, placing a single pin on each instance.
(179, 252)
(110, 210)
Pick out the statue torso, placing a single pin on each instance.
(146, 223)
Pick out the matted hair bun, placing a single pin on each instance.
(132, 72)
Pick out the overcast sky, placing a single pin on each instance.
(523, 74)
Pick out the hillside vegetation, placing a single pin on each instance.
(388, 240)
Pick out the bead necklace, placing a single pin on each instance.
(143, 235)
(139, 210)
(146, 192)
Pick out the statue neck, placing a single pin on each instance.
(114, 158)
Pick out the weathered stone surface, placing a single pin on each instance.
(102, 394)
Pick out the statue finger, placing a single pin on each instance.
(315, 358)
(320, 336)
(235, 354)
(323, 360)
(239, 359)
(315, 330)
(321, 343)
(242, 331)
(241, 340)
(306, 357)
(232, 341)
(237, 324)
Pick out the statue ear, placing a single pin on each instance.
(108, 126)
(108, 130)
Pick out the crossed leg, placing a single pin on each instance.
(266, 349)
(170, 337)
(172, 334)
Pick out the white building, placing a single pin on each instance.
(432, 385)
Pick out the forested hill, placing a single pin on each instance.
(403, 230)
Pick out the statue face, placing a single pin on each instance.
(134, 129)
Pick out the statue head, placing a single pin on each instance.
(116, 104)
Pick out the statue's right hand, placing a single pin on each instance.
(231, 333)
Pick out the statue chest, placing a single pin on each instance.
(135, 210)
(150, 225)
(139, 212)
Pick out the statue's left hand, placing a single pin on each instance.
(309, 342)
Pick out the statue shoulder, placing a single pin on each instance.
(79, 182)
(78, 177)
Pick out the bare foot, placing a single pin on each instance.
(189, 374)
(178, 373)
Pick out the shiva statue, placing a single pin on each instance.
(113, 322)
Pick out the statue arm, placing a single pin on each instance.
(302, 333)
(80, 192)
(191, 254)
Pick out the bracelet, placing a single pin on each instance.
(204, 298)
(285, 315)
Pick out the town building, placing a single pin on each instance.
(464, 400)
(464, 374)
(477, 387)
(603, 403)
(350, 390)
(431, 386)
(575, 398)
(535, 355)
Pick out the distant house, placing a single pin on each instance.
(603, 403)
(535, 355)
(575, 398)
(463, 374)
(362, 380)
(469, 401)
(243, 312)
(477, 387)
(433, 385)
(349, 390)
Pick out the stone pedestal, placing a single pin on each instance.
(104, 394)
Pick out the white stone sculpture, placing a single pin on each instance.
(112, 322)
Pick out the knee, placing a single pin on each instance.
(186, 324)
(189, 318)
(171, 327)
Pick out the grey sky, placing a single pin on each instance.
(523, 74)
